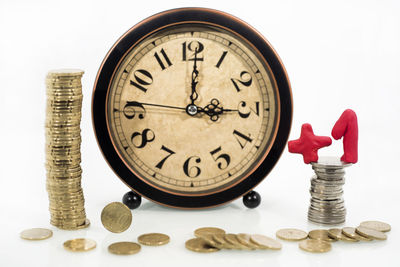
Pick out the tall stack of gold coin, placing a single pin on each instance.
(63, 143)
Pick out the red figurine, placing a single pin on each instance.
(308, 144)
(347, 127)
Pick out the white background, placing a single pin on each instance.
(339, 54)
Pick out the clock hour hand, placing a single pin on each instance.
(214, 109)
(195, 75)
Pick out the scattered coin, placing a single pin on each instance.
(376, 225)
(116, 217)
(315, 245)
(245, 240)
(36, 234)
(220, 238)
(208, 230)
(337, 233)
(153, 239)
(265, 242)
(371, 233)
(291, 234)
(199, 245)
(351, 232)
(233, 240)
(80, 244)
(209, 239)
(320, 234)
(124, 248)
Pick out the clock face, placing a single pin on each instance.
(191, 109)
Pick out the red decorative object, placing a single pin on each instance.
(347, 127)
(308, 144)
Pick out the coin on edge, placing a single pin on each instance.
(265, 242)
(80, 244)
(315, 245)
(208, 230)
(320, 234)
(116, 217)
(245, 240)
(337, 233)
(291, 234)
(124, 248)
(371, 233)
(351, 232)
(199, 245)
(153, 239)
(36, 234)
(376, 225)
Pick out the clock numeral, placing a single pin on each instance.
(140, 140)
(242, 108)
(166, 59)
(245, 80)
(221, 59)
(142, 79)
(221, 157)
(193, 171)
(170, 153)
(242, 139)
(130, 110)
(195, 47)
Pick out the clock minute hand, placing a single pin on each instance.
(195, 75)
(162, 106)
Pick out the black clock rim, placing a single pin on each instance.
(105, 74)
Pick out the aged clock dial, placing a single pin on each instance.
(191, 109)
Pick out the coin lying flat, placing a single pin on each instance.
(153, 239)
(320, 235)
(36, 234)
(116, 217)
(124, 248)
(80, 244)
(208, 230)
(290, 234)
(376, 225)
(199, 245)
(315, 245)
(265, 242)
(351, 232)
(337, 233)
(371, 233)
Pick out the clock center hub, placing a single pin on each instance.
(191, 110)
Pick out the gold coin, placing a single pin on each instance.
(220, 239)
(36, 234)
(315, 245)
(153, 239)
(337, 233)
(209, 240)
(290, 234)
(65, 73)
(320, 235)
(124, 248)
(376, 225)
(234, 242)
(265, 242)
(245, 240)
(351, 232)
(371, 233)
(199, 245)
(80, 244)
(208, 230)
(116, 217)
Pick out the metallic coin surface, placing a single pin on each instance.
(371, 233)
(291, 234)
(80, 244)
(320, 234)
(199, 245)
(124, 248)
(337, 233)
(351, 232)
(153, 239)
(220, 239)
(265, 242)
(36, 234)
(233, 241)
(377, 225)
(245, 240)
(315, 245)
(209, 240)
(116, 217)
(208, 230)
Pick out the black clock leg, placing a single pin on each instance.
(252, 199)
(132, 200)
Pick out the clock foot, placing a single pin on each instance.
(252, 199)
(132, 200)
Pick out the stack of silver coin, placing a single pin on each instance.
(327, 203)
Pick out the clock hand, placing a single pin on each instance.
(195, 74)
(162, 106)
(214, 110)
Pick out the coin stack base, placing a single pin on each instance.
(327, 203)
(63, 142)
